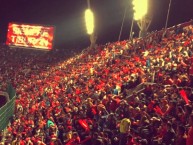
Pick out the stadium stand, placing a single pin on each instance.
(121, 93)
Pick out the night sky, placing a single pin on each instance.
(68, 18)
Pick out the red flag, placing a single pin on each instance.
(84, 124)
(184, 96)
(158, 110)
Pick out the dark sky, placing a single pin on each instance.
(68, 18)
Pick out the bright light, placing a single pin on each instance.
(89, 18)
(140, 8)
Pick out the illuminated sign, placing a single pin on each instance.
(35, 36)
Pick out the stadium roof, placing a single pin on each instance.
(68, 17)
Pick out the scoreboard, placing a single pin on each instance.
(30, 36)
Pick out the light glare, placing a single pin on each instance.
(89, 18)
(140, 8)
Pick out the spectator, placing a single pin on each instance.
(169, 136)
(181, 136)
(189, 140)
(124, 130)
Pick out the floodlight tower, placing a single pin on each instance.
(89, 20)
(140, 8)
(166, 25)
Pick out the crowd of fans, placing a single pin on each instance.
(94, 97)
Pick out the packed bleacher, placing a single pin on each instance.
(132, 92)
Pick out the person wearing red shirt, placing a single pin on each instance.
(74, 140)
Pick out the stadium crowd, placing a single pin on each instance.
(137, 92)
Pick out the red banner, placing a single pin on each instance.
(34, 36)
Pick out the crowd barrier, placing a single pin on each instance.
(138, 89)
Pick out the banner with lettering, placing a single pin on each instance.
(30, 36)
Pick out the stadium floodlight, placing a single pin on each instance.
(89, 19)
(140, 8)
